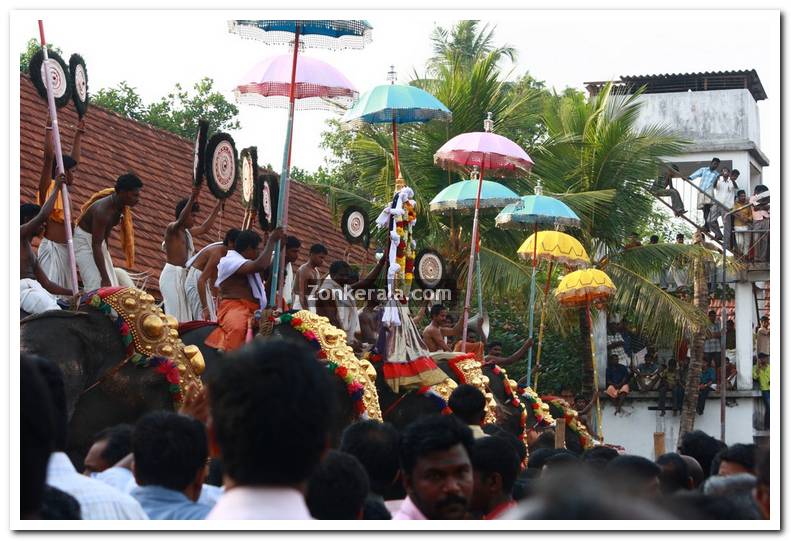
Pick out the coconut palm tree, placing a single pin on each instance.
(590, 154)
(465, 43)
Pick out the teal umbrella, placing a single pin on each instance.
(396, 104)
(462, 196)
(530, 212)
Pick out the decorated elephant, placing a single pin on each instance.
(115, 368)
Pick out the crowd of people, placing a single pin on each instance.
(254, 445)
(725, 207)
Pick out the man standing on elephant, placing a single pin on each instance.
(36, 289)
(241, 288)
(53, 253)
(98, 216)
(179, 247)
(201, 275)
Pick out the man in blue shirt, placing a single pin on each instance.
(707, 177)
(170, 452)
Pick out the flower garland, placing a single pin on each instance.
(513, 399)
(570, 415)
(543, 417)
(355, 389)
(167, 367)
(437, 398)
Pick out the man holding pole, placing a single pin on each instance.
(53, 251)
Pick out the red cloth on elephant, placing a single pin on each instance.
(232, 321)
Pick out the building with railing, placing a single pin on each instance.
(717, 114)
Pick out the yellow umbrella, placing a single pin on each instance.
(555, 247)
(581, 288)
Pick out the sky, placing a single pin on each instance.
(154, 50)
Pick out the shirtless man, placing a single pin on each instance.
(338, 304)
(293, 245)
(495, 352)
(202, 273)
(179, 247)
(434, 334)
(241, 288)
(93, 231)
(53, 253)
(309, 276)
(36, 289)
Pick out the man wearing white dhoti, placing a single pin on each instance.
(98, 216)
(202, 273)
(37, 292)
(180, 248)
(53, 253)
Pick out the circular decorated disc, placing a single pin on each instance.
(222, 168)
(79, 75)
(267, 201)
(59, 76)
(354, 224)
(429, 268)
(198, 155)
(248, 178)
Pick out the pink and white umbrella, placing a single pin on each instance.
(498, 156)
(493, 154)
(317, 85)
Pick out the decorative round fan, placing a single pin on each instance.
(249, 165)
(222, 166)
(429, 268)
(268, 190)
(59, 76)
(354, 225)
(198, 153)
(79, 75)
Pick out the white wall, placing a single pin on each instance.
(706, 116)
(635, 432)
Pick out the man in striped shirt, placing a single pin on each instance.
(707, 176)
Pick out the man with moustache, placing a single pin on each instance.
(436, 469)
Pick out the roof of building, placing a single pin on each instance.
(113, 144)
(682, 82)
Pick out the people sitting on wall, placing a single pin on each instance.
(672, 380)
(617, 378)
(648, 373)
(708, 379)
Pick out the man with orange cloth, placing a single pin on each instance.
(242, 291)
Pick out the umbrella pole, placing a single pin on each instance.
(478, 276)
(278, 260)
(595, 372)
(532, 304)
(541, 325)
(471, 264)
(53, 114)
(395, 147)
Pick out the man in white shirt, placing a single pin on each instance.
(98, 501)
(725, 189)
(271, 410)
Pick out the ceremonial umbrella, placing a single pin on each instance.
(532, 212)
(318, 85)
(581, 288)
(395, 104)
(463, 196)
(492, 153)
(556, 248)
(326, 34)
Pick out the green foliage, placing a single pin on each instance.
(32, 47)
(177, 112)
(560, 353)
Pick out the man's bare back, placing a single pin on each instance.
(308, 278)
(236, 287)
(210, 256)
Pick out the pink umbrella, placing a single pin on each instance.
(317, 85)
(493, 154)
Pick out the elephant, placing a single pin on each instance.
(100, 390)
